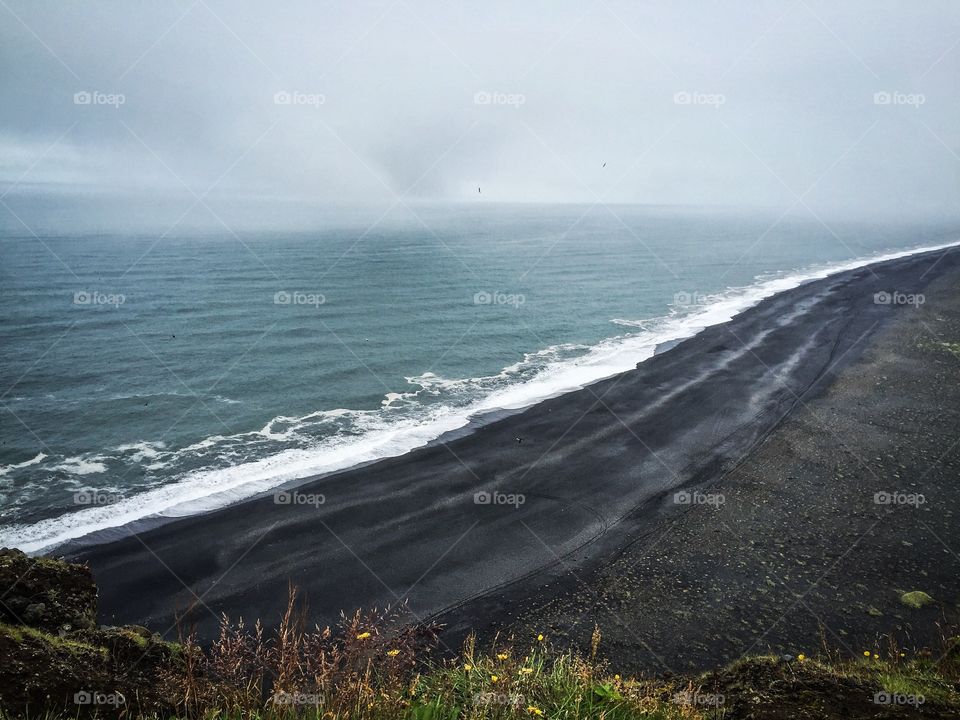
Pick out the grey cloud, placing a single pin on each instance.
(599, 83)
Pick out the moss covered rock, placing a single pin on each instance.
(46, 594)
(916, 599)
(55, 657)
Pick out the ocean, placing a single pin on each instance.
(148, 375)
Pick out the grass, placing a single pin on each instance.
(915, 682)
(377, 666)
(539, 682)
(21, 633)
(534, 683)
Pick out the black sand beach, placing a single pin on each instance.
(598, 470)
(801, 553)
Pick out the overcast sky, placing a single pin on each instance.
(847, 106)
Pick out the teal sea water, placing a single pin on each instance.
(167, 376)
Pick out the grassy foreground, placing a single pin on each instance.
(374, 667)
(369, 677)
(56, 663)
(369, 672)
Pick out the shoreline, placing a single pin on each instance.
(837, 514)
(697, 408)
(604, 360)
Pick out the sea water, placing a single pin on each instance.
(159, 375)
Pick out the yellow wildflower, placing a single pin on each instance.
(534, 710)
(393, 653)
(540, 637)
(502, 656)
(801, 657)
(866, 653)
(526, 671)
(468, 667)
(876, 657)
(494, 678)
(363, 636)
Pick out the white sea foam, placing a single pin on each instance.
(38, 458)
(382, 433)
(81, 465)
(142, 450)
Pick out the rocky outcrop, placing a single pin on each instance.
(46, 594)
(56, 657)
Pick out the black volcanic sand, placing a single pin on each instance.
(599, 469)
(800, 553)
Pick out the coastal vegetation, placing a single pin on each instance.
(383, 665)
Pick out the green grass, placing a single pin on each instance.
(536, 684)
(22, 633)
(912, 682)
(539, 682)
(376, 668)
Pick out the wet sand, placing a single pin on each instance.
(598, 470)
